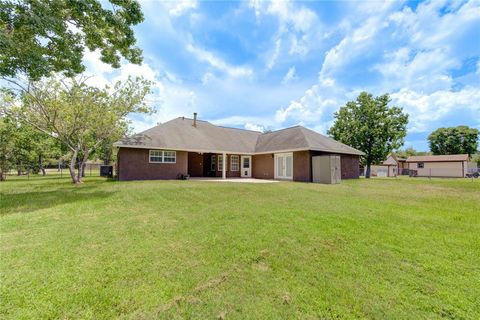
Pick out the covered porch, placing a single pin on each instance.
(219, 165)
(236, 180)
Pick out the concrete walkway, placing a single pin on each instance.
(239, 180)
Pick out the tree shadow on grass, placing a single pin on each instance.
(39, 178)
(26, 202)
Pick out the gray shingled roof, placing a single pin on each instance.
(300, 138)
(441, 158)
(180, 134)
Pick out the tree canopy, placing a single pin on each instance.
(454, 140)
(370, 125)
(410, 151)
(23, 148)
(38, 37)
(79, 116)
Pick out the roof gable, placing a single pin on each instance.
(284, 139)
(391, 160)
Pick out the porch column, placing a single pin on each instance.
(224, 166)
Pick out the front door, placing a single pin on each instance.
(246, 171)
(284, 166)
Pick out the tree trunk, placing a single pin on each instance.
(367, 172)
(2, 176)
(82, 163)
(71, 168)
(40, 165)
(19, 169)
(80, 172)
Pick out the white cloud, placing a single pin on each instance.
(169, 97)
(216, 62)
(327, 82)
(307, 110)
(290, 76)
(426, 108)
(180, 7)
(352, 45)
(300, 18)
(248, 122)
(93, 62)
(254, 127)
(297, 25)
(274, 56)
(422, 48)
(426, 70)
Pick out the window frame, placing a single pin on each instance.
(213, 163)
(420, 165)
(174, 157)
(220, 157)
(234, 156)
(162, 156)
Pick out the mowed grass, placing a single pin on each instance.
(379, 249)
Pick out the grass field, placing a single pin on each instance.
(378, 249)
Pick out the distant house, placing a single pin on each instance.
(197, 148)
(454, 165)
(395, 165)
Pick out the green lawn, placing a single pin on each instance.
(379, 249)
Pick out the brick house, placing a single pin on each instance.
(200, 149)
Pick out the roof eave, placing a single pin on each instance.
(180, 149)
(119, 145)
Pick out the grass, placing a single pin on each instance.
(378, 249)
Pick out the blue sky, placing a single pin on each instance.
(273, 64)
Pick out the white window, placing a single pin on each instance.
(169, 156)
(162, 156)
(213, 163)
(234, 163)
(156, 156)
(220, 162)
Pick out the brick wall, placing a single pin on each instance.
(133, 164)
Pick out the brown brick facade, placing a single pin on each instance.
(133, 164)
(263, 166)
(302, 166)
(350, 166)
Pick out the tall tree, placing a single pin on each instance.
(368, 124)
(38, 37)
(79, 116)
(454, 140)
(7, 145)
